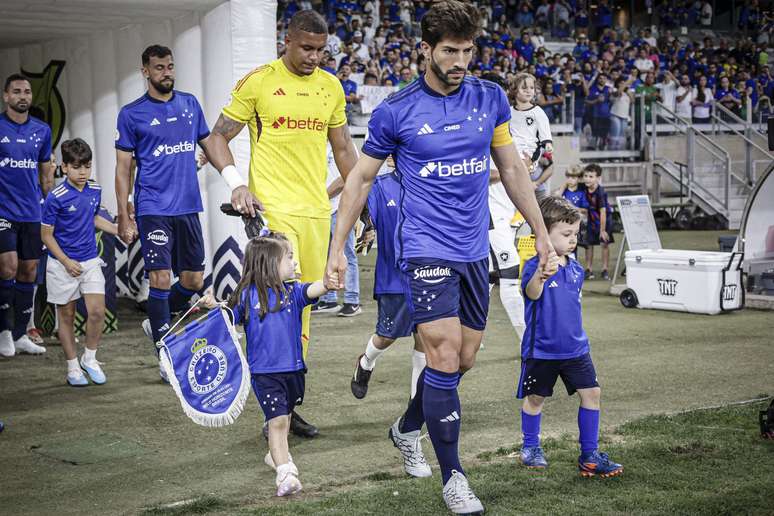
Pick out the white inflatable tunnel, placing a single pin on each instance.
(757, 233)
(84, 58)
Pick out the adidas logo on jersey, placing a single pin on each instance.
(5, 140)
(168, 150)
(391, 203)
(279, 91)
(426, 129)
(451, 418)
(155, 121)
(18, 163)
(72, 208)
(553, 284)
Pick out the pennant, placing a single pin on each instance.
(207, 369)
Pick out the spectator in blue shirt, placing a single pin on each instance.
(599, 101)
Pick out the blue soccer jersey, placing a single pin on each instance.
(71, 213)
(163, 137)
(554, 323)
(383, 202)
(441, 145)
(578, 198)
(22, 147)
(274, 343)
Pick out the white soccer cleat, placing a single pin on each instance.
(7, 349)
(25, 345)
(287, 480)
(410, 448)
(459, 497)
(270, 462)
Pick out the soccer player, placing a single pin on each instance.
(393, 318)
(556, 345)
(74, 269)
(161, 130)
(25, 177)
(441, 130)
(291, 107)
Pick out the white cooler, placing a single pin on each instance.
(686, 281)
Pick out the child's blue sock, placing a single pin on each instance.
(588, 429)
(443, 415)
(22, 307)
(414, 417)
(6, 300)
(530, 427)
(179, 297)
(158, 312)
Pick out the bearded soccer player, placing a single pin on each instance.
(441, 130)
(291, 107)
(25, 177)
(161, 130)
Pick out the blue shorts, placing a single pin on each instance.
(174, 243)
(394, 317)
(437, 289)
(539, 376)
(22, 238)
(278, 393)
(592, 233)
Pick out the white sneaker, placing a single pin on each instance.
(270, 462)
(146, 328)
(7, 349)
(410, 448)
(287, 480)
(459, 497)
(25, 345)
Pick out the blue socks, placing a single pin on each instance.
(179, 297)
(588, 430)
(6, 302)
(22, 308)
(414, 417)
(530, 427)
(441, 406)
(158, 312)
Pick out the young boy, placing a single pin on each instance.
(555, 344)
(600, 225)
(74, 268)
(572, 191)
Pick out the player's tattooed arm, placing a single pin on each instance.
(215, 146)
(227, 127)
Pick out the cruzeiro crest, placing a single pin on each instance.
(47, 103)
(207, 367)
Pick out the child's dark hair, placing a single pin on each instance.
(263, 255)
(558, 209)
(450, 19)
(75, 152)
(594, 168)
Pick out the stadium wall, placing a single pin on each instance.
(82, 82)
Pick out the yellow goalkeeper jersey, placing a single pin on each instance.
(289, 116)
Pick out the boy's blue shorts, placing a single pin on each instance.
(394, 317)
(592, 233)
(278, 393)
(539, 376)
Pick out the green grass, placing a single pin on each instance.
(701, 462)
(204, 505)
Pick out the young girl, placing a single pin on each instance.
(531, 131)
(268, 303)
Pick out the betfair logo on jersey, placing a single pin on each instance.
(18, 163)
(308, 124)
(464, 168)
(168, 150)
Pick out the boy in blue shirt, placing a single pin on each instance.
(555, 344)
(74, 268)
(600, 225)
(577, 196)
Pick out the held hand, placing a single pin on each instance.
(243, 200)
(208, 300)
(335, 271)
(73, 268)
(545, 250)
(127, 229)
(603, 236)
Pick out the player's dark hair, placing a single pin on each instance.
(308, 21)
(558, 209)
(495, 78)
(594, 168)
(75, 152)
(14, 77)
(263, 255)
(450, 19)
(159, 51)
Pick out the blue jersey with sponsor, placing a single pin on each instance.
(578, 198)
(441, 145)
(383, 205)
(71, 212)
(163, 138)
(554, 323)
(274, 342)
(22, 147)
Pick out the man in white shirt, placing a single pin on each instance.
(684, 98)
(643, 63)
(359, 47)
(668, 90)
